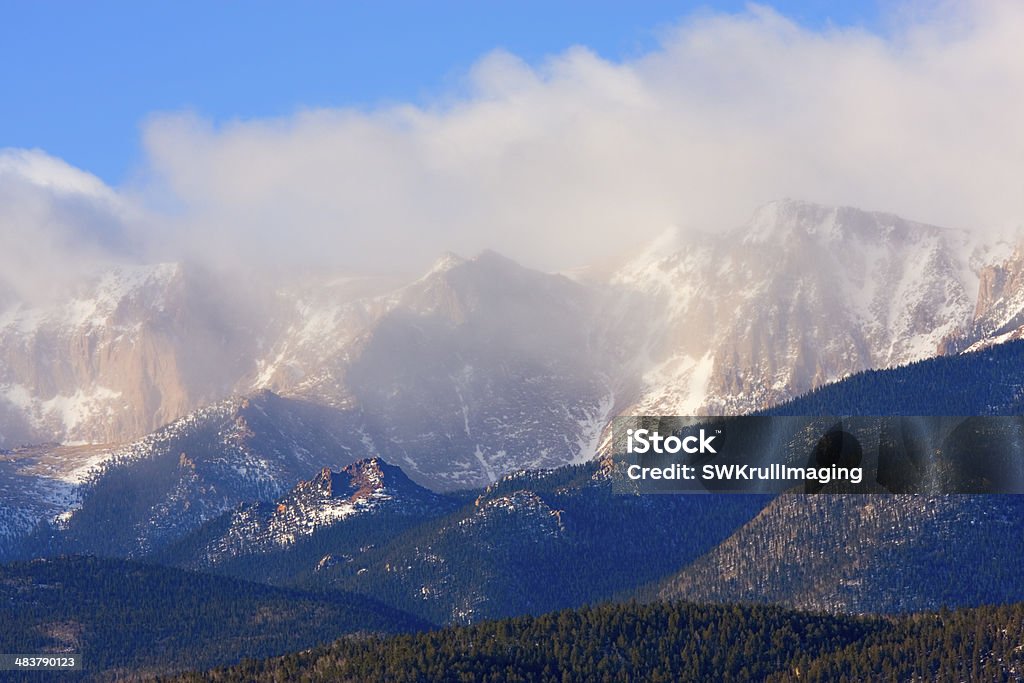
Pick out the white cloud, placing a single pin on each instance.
(563, 162)
(56, 223)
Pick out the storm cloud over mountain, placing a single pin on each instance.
(571, 160)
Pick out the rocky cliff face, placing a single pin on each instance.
(127, 352)
(999, 311)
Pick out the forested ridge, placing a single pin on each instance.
(984, 382)
(125, 616)
(531, 543)
(671, 641)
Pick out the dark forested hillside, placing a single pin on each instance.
(673, 642)
(986, 382)
(980, 644)
(882, 553)
(867, 554)
(127, 616)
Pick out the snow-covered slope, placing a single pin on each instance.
(478, 368)
(150, 492)
(801, 295)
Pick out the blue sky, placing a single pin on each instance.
(79, 79)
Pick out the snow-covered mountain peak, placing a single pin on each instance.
(145, 286)
(124, 280)
(488, 263)
(483, 282)
(489, 258)
(802, 294)
(794, 220)
(96, 302)
(444, 263)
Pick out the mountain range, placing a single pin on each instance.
(435, 448)
(481, 367)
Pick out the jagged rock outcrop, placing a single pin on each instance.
(367, 486)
